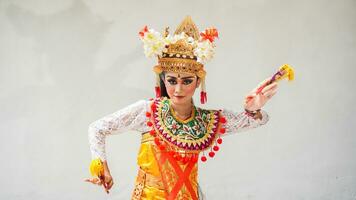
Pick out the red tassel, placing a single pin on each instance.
(162, 147)
(203, 97)
(222, 120)
(211, 154)
(152, 132)
(157, 141)
(148, 114)
(158, 91)
(153, 107)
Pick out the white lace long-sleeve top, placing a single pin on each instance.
(133, 117)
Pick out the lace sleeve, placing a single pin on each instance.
(132, 117)
(238, 122)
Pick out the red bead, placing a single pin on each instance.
(211, 154)
(153, 107)
(223, 120)
(148, 114)
(157, 141)
(149, 123)
(222, 130)
(152, 132)
(203, 158)
(162, 147)
(219, 141)
(216, 148)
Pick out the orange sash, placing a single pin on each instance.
(178, 177)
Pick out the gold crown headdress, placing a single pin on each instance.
(186, 51)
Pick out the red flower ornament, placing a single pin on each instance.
(143, 31)
(210, 34)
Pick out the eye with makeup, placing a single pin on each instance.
(172, 81)
(187, 81)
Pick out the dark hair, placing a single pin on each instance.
(162, 85)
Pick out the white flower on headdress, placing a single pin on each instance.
(173, 39)
(169, 40)
(204, 51)
(179, 36)
(153, 43)
(191, 40)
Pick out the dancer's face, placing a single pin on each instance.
(181, 86)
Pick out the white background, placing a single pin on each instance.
(66, 63)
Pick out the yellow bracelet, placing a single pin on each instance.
(96, 168)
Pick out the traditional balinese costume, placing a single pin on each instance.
(171, 147)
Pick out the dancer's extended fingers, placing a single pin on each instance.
(98, 181)
(271, 90)
(264, 82)
(92, 180)
(110, 184)
(105, 188)
(270, 93)
(261, 84)
(269, 87)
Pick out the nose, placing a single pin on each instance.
(178, 88)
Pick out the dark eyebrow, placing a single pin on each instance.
(181, 78)
(188, 77)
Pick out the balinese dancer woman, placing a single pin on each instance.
(176, 134)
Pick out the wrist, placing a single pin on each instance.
(252, 111)
(106, 168)
(256, 114)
